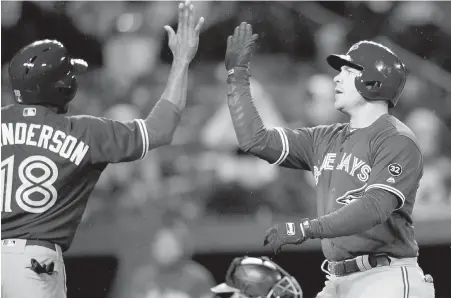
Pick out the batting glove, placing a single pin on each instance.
(287, 233)
(239, 47)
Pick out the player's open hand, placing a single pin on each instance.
(240, 46)
(184, 43)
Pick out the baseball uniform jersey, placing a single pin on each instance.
(50, 165)
(345, 163)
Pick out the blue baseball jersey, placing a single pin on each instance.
(50, 164)
(345, 163)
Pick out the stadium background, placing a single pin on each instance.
(201, 196)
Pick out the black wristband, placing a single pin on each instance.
(239, 71)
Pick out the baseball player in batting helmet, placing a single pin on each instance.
(43, 73)
(51, 162)
(367, 172)
(250, 277)
(382, 75)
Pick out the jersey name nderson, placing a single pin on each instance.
(46, 137)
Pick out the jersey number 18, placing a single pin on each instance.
(36, 175)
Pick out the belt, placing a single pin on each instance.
(42, 243)
(358, 264)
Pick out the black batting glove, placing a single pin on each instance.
(240, 46)
(287, 233)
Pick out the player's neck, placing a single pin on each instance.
(53, 109)
(367, 114)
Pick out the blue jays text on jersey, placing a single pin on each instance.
(352, 165)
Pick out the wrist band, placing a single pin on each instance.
(240, 67)
(306, 229)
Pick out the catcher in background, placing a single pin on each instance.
(367, 172)
(249, 277)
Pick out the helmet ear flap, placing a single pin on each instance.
(370, 89)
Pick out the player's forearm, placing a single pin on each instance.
(161, 123)
(176, 88)
(249, 128)
(372, 209)
(165, 116)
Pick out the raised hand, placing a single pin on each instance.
(184, 43)
(240, 46)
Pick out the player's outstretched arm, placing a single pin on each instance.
(249, 127)
(165, 116)
(278, 146)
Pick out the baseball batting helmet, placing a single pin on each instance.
(383, 75)
(258, 277)
(43, 73)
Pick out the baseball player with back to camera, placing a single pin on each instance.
(366, 171)
(51, 162)
(249, 277)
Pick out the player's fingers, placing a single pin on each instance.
(272, 229)
(242, 31)
(229, 41)
(199, 25)
(236, 34)
(186, 15)
(191, 20)
(180, 22)
(251, 41)
(248, 32)
(270, 236)
(265, 241)
(170, 31)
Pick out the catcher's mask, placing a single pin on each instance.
(258, 278)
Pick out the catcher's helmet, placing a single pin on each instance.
(44, 73)
(383, 75)
(258, 277)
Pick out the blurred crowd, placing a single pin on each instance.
(204, 173)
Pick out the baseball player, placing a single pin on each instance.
(50, 162)
(249, 277)
(366, 171)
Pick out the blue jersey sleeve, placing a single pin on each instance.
(298, 148)
(397, 167)
(113, 141)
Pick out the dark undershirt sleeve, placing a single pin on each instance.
(292, 148)
(374, 208)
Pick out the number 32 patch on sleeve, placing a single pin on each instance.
(395, 169)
